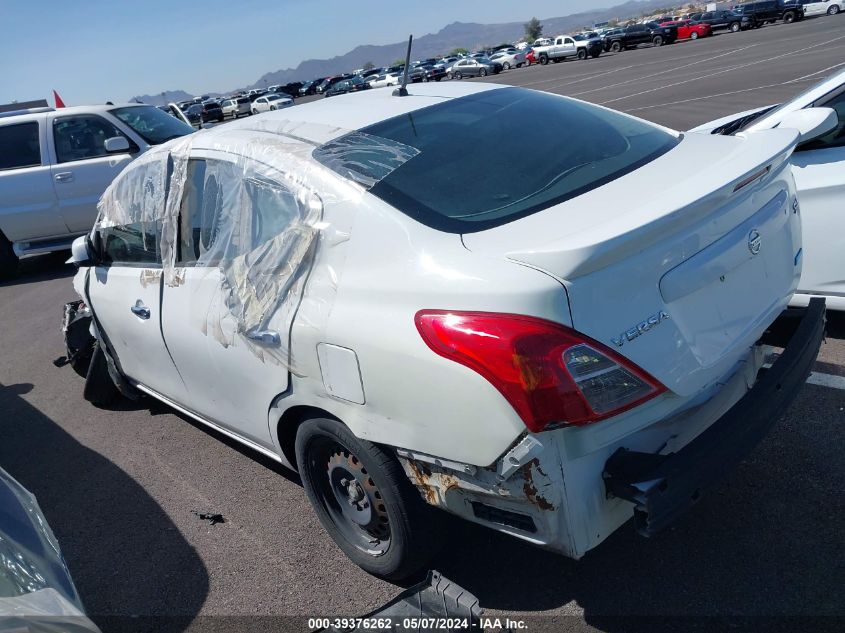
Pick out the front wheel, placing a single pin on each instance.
(364, 500)
(254, 111)
(482, 73)
(788, 17)
(735, 27)
(693, 35)
(615, 47)
(582, 54)
(544, 59)
(459, 75)
(833, 10)
(657, 41)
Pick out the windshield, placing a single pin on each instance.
(451, 186)
(151, 124)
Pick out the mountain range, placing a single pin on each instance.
(456, 35)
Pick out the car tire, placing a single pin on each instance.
(425, 80)
(833, 10)
(657, 40)
(615, 47)
(519, 65)
(506, 66)
(330, 460)
(788, 17)
(482, 72)
(459, 75)
(272, 107)
(693, 35)
(582, 54)
(254, 111)
(544, 59)
(596, 55)
(448, 75)
(100, 389)
(734, 27)
(8, 260)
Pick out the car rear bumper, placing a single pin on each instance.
(662, 487)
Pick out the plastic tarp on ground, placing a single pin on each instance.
(250, 201)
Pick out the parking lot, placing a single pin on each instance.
(119, 487)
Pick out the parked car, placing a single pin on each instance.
(769, 11)
(636, 34)
(689, 29)
(37, 592)
(818, 166)
(194, 114)
(588, 44)
(823, 7)
(509, 59)
(719, 20)
(355, 84)
(55, 164)
(328, 82)
(211, 111)
(584, 362)
(530, 57)
(236, 107)
(271, 102)
(381, 81)
(310, 87)
(474, 67)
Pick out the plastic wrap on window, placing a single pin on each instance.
(35, 583)
(248, 202)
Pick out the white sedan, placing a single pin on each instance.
(509, 59)
(829, 7)
(353, 289)
(819, 170)
(271, 102)
(384, 80)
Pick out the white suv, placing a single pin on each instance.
(55, 165)
(352, 288)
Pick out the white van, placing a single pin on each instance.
(56, 163)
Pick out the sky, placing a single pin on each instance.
(92, 51)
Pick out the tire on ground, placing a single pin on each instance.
(414, 526)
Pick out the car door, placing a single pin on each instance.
(28, 205)
(82, 168)
(231, 212)
(568, 47)
(819, 170)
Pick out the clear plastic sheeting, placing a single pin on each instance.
(35, 584)
(248, 202)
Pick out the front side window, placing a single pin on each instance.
(450, 183)
(19, 146)
(133, 244)
(83, 136)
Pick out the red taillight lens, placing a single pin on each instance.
(549, 373)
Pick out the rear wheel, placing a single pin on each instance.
(544, 59)
(482, 73)
(657, 40)
(615, 47)
(8, 259)
(364, 500)
(734, 27)
(693, 35)
(582, 53)
(459, 75)
(506, 66)
(833, 10)
(254, 111)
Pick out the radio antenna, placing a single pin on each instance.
(402, 91)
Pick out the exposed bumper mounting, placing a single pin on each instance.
(662, 487)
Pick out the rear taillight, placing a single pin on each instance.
(550, 374)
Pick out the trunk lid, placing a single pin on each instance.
(681, 264)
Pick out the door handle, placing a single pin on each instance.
(65, 176)
(265, 337)
(140, 310)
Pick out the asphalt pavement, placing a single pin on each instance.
(119, 486)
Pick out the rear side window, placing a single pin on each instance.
(451, 184)
(19, 146)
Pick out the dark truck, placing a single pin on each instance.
(718, 20)
(634, 34)
(768, 11)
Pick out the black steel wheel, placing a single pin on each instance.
(364, 500)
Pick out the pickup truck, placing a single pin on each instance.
(56, 163)
(634, 34)
(581, 46)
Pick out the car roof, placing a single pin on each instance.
(351, 112)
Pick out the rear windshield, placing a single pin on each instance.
(470, 170)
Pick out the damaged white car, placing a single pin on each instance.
(352, 288)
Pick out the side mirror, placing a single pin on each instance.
(116, 144)
(81, 251)
(811, 123)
